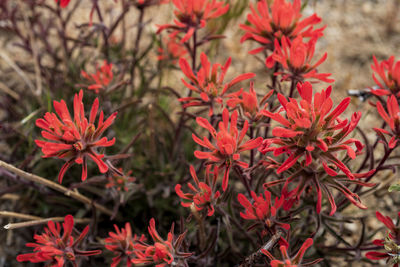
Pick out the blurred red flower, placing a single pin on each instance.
(163, 252)
(262, 209)
(75, 140)
(248, 101)
(101, 79)
(203, 195)
(172, 50)
(208, 83)
(192, 15)
(283, 19)
(389, 73)
(294, 261)
(391, 243)
(295, 57)
(228, 146)
(63, 3)
(55, 249)
(392, 119)
(122, 243)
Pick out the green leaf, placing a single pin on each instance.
(394, 187)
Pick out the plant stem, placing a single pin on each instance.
(12, 226)
(40, 180)
(248, 262)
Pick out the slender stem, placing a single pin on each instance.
(243, 178)
(105, 35)
(248, 262)
(11, 214)
(12, 226)
(40, 180)
(137, 43)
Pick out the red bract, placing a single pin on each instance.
(249, 102)
(311, 131)
(262, 209)
(284, 19)
(146, 3)
(295, 57)
(208, 83)
(172, 51)
(101, 79)
(63, 3)
(192, 15)
(55, 249)
(392, 119)
(203, 195)
(388, 71)
(294, 261)
(120, 182)
(228, 141)
(163, 252)
(391, 243)
(122, 243)
(75, 140)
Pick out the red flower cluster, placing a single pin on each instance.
(172, 51)
(262, 209)
(207, 83)
(249, 102)
(75, 140)
(63, 3)
(163, 252)
(120, 182)
(389, 73)
(315, 133)
(228, 146)
(288, 261)
(122, 244)
(55, 249)
(192, 15)
(391, 242)
(101, 79)
(295, 57)
(392, 119)
(203, 195)
(284, 19)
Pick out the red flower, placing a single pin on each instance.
(101, 79)
(284, 19)
(295, 57)
(228, 146)
(192, 15)
(120, 182)
(173, 50)
(122, 243)
(294, 261)
(389, 73)
(146, 3)
(391, 243)
(392, 119)
(249, 102)
(203, 196)
(163, 252)
(207, 83)
(75, 140)
(262, 209)
(311, 131)
(63, 3)
(57, 249)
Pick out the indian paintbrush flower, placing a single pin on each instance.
(203, 196)
(53, 248)
(75, 140)
(208, 83)
(228, 143)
